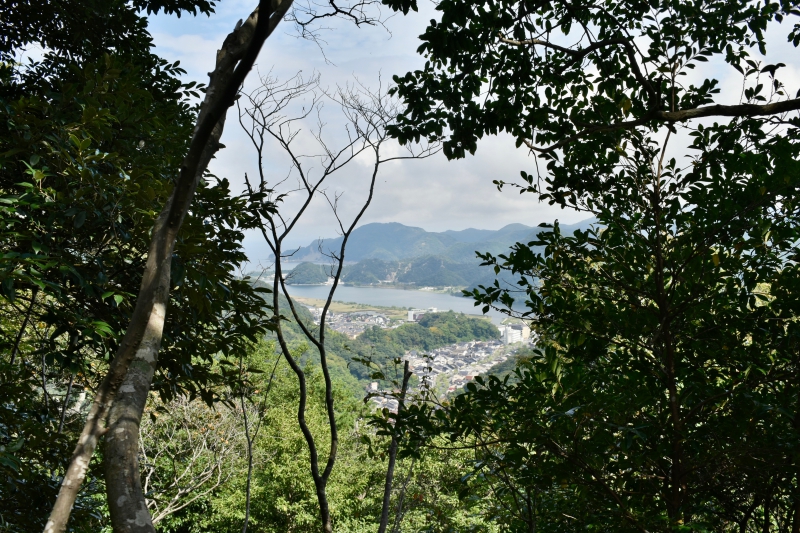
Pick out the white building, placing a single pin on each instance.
(415, 314)
(524, 330)
(510, 334)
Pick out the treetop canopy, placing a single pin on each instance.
(558, 73)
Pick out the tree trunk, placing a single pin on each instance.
(139, 348)
(126, 502)
(398, 515)
(24, 325)
(249, 439)
(65, 404)
(387, 489)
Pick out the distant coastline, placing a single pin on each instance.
(375, 298)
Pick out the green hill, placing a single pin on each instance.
(307, 274)
(396, 242)
(370, 272)
(438, 271)
(428, 271)
(394, 253)
(388, 242)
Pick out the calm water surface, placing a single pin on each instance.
(394, 297)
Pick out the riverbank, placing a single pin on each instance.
(450, 291)
(392, 312)
(373, 298)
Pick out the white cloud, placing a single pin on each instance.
(434, 194)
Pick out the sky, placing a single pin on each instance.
(433, 193)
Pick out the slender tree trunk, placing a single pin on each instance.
(796, 491)
(767, 525)
(319, 480)
(24, 325)
(249, 465)
(387, 489)
(251, 437)
(531, 511)
(126, 502)
(45, 394)
(398, 515)
(66, 403)
(665, 340)
(369, 127)
(279, 285)
(139, 347)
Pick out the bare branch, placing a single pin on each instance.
(387, 490)
(367, 115)
(188, 450)
(671, 117)
(307, 16)
(741, 110)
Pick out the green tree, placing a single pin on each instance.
(504, 67)
(283, 491)
(92, 133)
(664, 394)
(428, 488)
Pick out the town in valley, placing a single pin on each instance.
(443, 370)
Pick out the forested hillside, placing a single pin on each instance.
(308, 273)
(417, 257)
(426, 271)
(432, 271)
(394, 242)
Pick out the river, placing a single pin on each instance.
(386, 297)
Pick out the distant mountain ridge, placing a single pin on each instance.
(394, 242)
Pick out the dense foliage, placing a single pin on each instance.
(282, 491)
(93, 133)
(670, 339)
(663, 396)
(550, 72)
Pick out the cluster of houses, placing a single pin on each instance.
(351, 324)
(459, 363)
